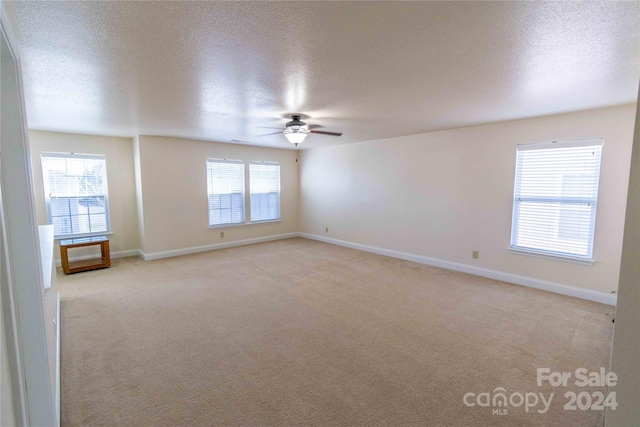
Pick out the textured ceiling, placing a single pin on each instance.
(226, 71)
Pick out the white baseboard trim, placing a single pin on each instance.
(186, 251)
(114, 255)
(558, 288)
(58, 317)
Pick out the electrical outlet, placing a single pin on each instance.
(326, 229)
(475, 254)
(222, 234)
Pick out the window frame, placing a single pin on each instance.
(244, 187)
(279, 218)
(47, 194)
(592, 202)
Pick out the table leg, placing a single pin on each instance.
(64, 259)
(106, 254)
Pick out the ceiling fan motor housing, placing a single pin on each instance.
(296, 122)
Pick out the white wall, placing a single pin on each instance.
(120, 180)
(444, 194)
(158, 192)
(625, 358)
(172, 181)
(139, 202)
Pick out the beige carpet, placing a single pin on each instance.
(297, 332)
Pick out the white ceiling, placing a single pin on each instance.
(224, 70)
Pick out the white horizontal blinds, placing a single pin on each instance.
(75, 187)
(225, 188)
(555, 198)
(265, 191)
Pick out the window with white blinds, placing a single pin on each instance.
(264, 184)
(75, 188)
(225, 188)
(555, 198)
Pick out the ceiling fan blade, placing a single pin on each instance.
(267, 134)
(321, 132)
(268, 127)
(314, 126)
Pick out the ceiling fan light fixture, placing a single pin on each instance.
(295, 137)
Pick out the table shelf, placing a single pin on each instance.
(86, 264)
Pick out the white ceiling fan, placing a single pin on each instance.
(296, 130)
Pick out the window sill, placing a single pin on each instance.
(564, 258)
(243, 224)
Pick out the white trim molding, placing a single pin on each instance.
(186, 251)
(565, 258)
(22, 278)
(558, 288)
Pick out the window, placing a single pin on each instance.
(265, 191)
(555, 198)
(75, 188)
(225, 187)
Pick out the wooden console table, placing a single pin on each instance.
(87, 264)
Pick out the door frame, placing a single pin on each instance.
(22, 278)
